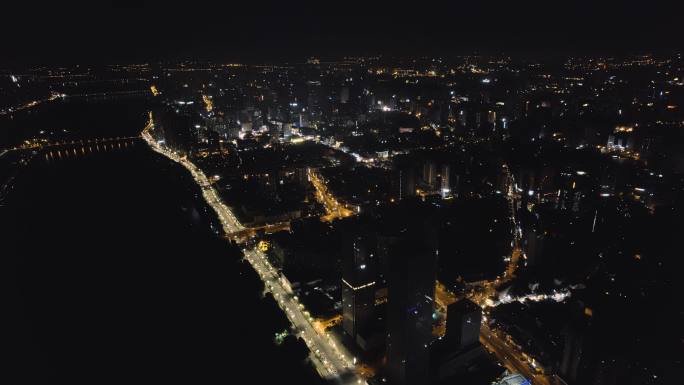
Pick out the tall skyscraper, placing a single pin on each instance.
(589, 354)
(344, 95)
(578, 352)
(460, 346)
(463, 324)
(404, 182)
(411, 286)
(358, 290)
(430, 174)
(533, 243)
(445, 186)
(314, 99)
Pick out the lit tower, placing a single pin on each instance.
(358, 290)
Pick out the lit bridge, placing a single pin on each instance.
(69, 149)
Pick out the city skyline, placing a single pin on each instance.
(372, 194)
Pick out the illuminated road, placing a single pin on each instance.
(513, 263)
(510, 356)
(241, 236)
(497, 341)
(443, 297)
(332, 362)
(333, 208)
(330, 359)
(511, 196)
(228, 221)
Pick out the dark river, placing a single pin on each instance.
(114, 273)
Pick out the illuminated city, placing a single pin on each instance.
(265, 192)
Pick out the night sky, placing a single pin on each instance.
(128, 31)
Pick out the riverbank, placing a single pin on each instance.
(113, 275)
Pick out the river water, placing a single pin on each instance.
(114, 273)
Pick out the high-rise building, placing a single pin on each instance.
(314, 99)
(430, 174)
(445, 186)
(587, 354)
(577, 350)
(404, 181)
(533, 244)
(411, 286)
(460, 346)
(344, 95)
(463, 324)
(491, 117)
(358, 290)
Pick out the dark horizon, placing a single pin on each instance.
(266, 31)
